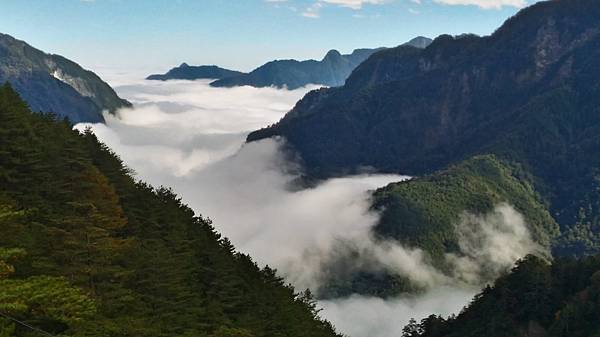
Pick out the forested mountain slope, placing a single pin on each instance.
(529, 93)
(52, 83)
(423, 212)
(536, 299)
(455, 213)
(85, 250)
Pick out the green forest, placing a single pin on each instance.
(535, 299)
(528, 94)
(86, 250)
(423, 212)
(512, 118)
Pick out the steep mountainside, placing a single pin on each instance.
(52, 83)
(536, 299)
(428, 213)
(528, 93)
(332, 71)
(187, 72)
(423, 212)
(85, 250)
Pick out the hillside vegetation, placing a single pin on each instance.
(424, 212)
(536, 299)
(85, 250)
(529, 94)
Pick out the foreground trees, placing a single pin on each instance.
(124, 258)
(536, 299)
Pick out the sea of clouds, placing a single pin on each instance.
(190, 136)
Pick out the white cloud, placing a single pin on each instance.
(313, 11)
(190, 136)
(486, 4)
(371, 316)
(354, 4)
(491, 243)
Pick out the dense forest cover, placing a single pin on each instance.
(529, 94)
(86, 250)
(423, 212)
(536, 299)
(432, 213)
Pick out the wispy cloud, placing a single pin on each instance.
(486, 4)
(313, 11)
(354, 4)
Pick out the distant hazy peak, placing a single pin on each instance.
(187, 72)
(332, 55)
(419, 42)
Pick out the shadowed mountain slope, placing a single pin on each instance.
(52, 83)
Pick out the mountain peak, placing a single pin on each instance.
(419, 42)
(332, 55)
(184, 65)
(332, 71)
(509, 94)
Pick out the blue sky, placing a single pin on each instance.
(153, 35)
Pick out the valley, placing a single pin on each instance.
(445, 187)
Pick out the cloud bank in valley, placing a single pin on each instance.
(190, 136)
(371, 316)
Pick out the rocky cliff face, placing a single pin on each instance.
(52, 83)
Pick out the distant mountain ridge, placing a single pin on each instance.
(187, 72)
(332, 70)
(52, 83)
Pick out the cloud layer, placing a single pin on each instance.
(190, 136)
(371, 316)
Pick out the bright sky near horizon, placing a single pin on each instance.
(154, 35)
